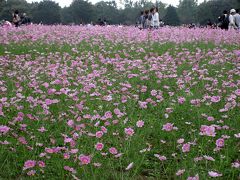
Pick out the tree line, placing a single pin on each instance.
(83, 11)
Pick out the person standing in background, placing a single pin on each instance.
(232, 23)
(146, 25)
(16, 18)
(156, 18)
(150, 18)
(237, 19)
(224, 20)
(141, 20)
(25, 20)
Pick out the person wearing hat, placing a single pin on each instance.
(232, 23)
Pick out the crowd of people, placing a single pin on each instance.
(17, 20)
(149, 19)
(231, 20)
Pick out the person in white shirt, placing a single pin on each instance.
(237, 19)
(156, 18)
(151, 16)
(232, 24)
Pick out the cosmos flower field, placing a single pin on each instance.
(119, 103)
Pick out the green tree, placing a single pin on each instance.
(171, 18)
(82, 11)
(46, 12)
(187, 11)
(107, 10)
(66, 16)
(2, 4)
(8, 7)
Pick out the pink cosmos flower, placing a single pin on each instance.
(99, 134)
(113, 150)
(144, 89)
(46, 85)
(51, 91)
(214, 174)
(237, 92)
(29, 164)
(208, 130)
(215, 99)
(66, 156)
(104, 130)
(180, 172)
(129, 131)
(180, 141)
(168, 127)
(74, 151)
(108, 115)
(195, 102)
(237, 135)
(210, 118)
(4, 129)
(181, 100)
(70, 123)
(31, 173)
(41, 164)
(115, 121)
(220, 142)
(186, 147)
(161, 158)
(130, 166)
(118, 112)
(48, 101)
(70, 169)
(196, 159)
(118, 155)
(99, 146)
(154, 93)
(193, 178)
(169, 110)
(84, 159)
(143, 105)
(236, 164)
(97, 164)
(140, 124)
(42, 129)
(22, 140)
(49, 150)
(209, 158)
(67, 140)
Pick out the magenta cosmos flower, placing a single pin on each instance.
(186, 147)
(220, 142)
(214, 174)
(140, 124)
(168, 127)
(129, 131)
(113, 150)
(4, 129)
(99, 134)
(84, 159)
(99, 146)
(215, 99)
(29, 164)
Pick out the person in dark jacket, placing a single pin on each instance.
(224, 20)
(25, 20)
